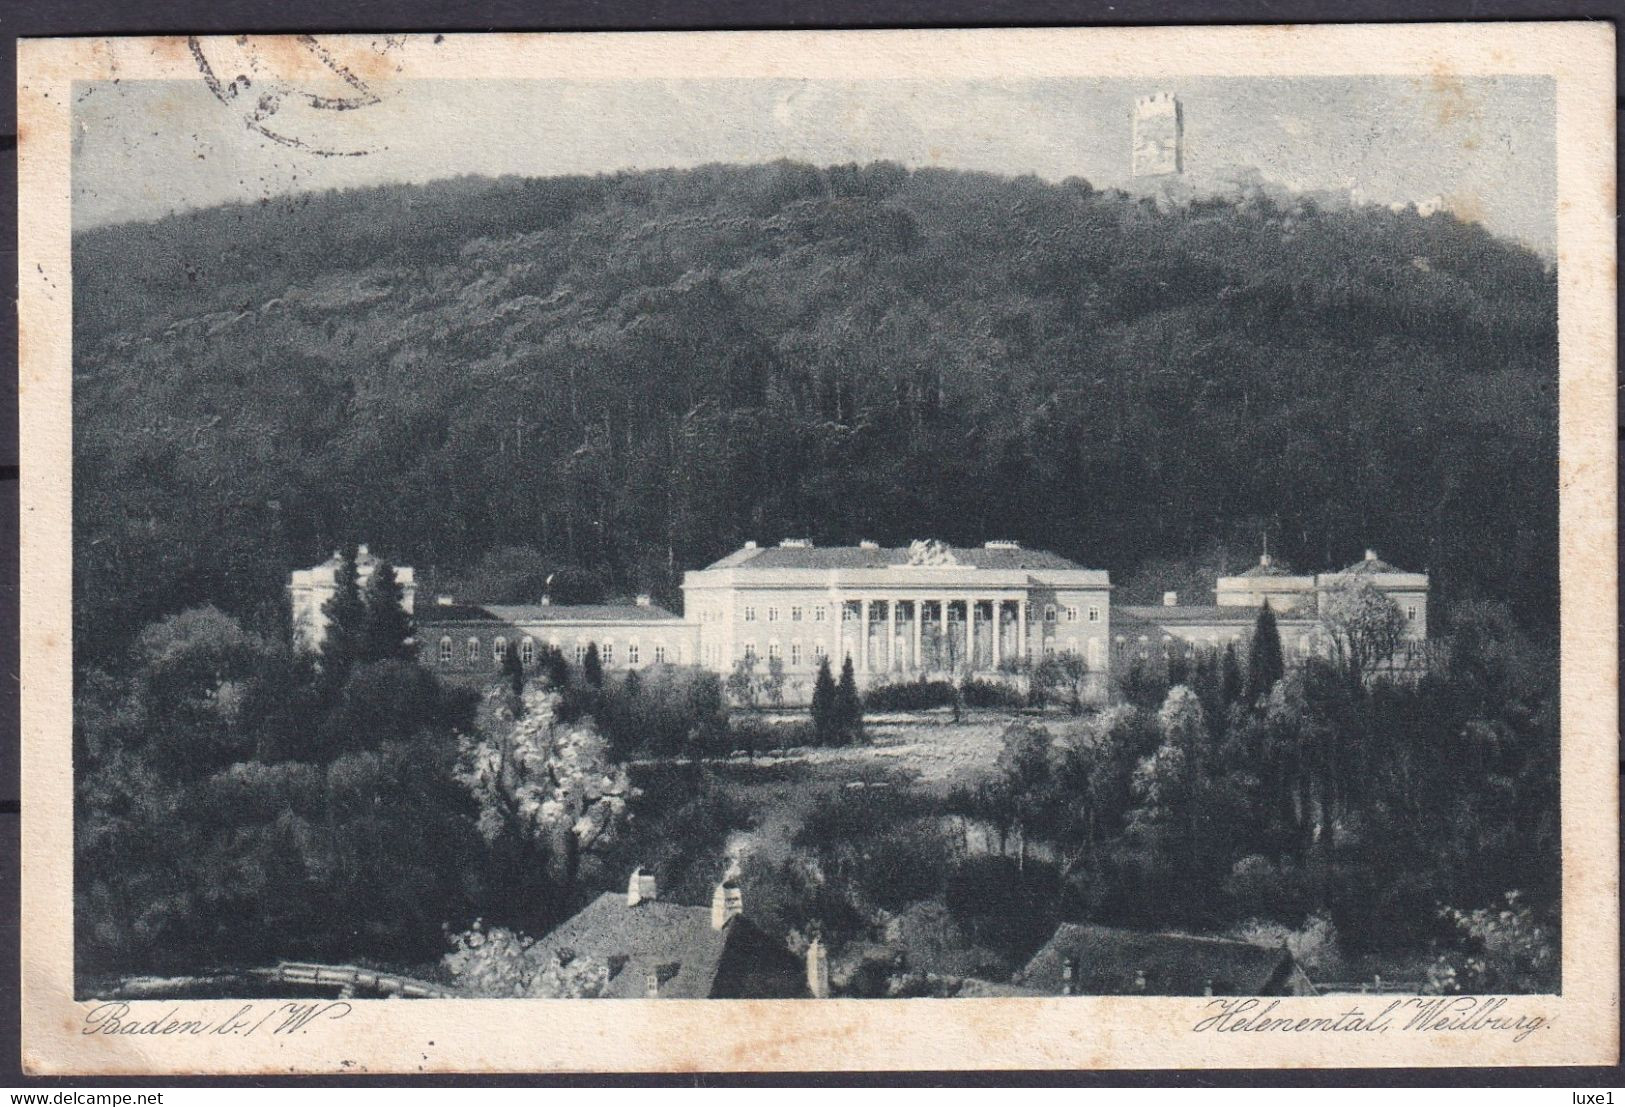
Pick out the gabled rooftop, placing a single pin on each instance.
(688, 957)
(1109, 961)
(1370, 565)
(802, 554)
(543, 613)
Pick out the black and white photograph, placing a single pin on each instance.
(986, 536)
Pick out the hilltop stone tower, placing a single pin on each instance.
(1159, 136)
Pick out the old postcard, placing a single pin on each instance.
(969, 549)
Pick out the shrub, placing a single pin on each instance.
(756, 735)
(912, 695)
(988, 693)
(1314, 944)
(904, 866)
(668, 710)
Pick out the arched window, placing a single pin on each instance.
(499, 650)
(1306, 646)
(527, 651)
(473, 649)
(445, 650)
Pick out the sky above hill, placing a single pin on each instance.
(1485, 146)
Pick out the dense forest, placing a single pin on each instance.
(627, 376)
(632, 374)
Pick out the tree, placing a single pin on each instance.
(386, 632)
(1364, 627)
(848, 705)
(499, 963)
(592, 668)
(513, 670)
(1066, 673)
(344, 616)
(1266, 663)
(774, 684)
(1184, 728)
(825, 719)
(549, 785)
(556, 668)
(1230, 685)
(741, 684)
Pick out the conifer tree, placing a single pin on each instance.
(592, 667)
(1230, 677)
(825, 723)
(1265, 662)
(848, 707)
(513, 670)
(387, 628)
(556, 668)
(345, 616)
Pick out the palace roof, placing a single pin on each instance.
(1267, 567)
(806, 556)
(1110, 961)
(543, 613)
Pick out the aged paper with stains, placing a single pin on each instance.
(1514, 119)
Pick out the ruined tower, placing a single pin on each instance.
(1159, 135)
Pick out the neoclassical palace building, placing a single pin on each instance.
(897, 611)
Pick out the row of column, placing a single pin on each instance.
(892, 608)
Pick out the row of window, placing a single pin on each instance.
(775, 652)
(1052, 613)
(474, 652)
(818, 612)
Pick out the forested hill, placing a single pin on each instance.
(635, 373)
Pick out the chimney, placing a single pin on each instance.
(865, 544)
(1069, 977)
(1265, 560)
(1370, 554)
(640, 888)
(1207, 989)
(751, 545)
(1139, 980)
(443, 601)
(643, 599)
(651, 984)
(817, 970)
(1170, 599)
(361, 553)
(726, 903)
(547, 601)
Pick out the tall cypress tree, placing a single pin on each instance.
(1230, 686)
(345, 617)
(556, 668)
(387, 629)
(848, 707)
(1265, 662)
(592, 667)
(824, 703)
(513, 670)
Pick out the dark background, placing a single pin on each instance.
(19, 18)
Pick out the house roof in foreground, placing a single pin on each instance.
(1108, 961)
(691, 958)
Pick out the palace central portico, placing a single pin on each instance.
(926, 608)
